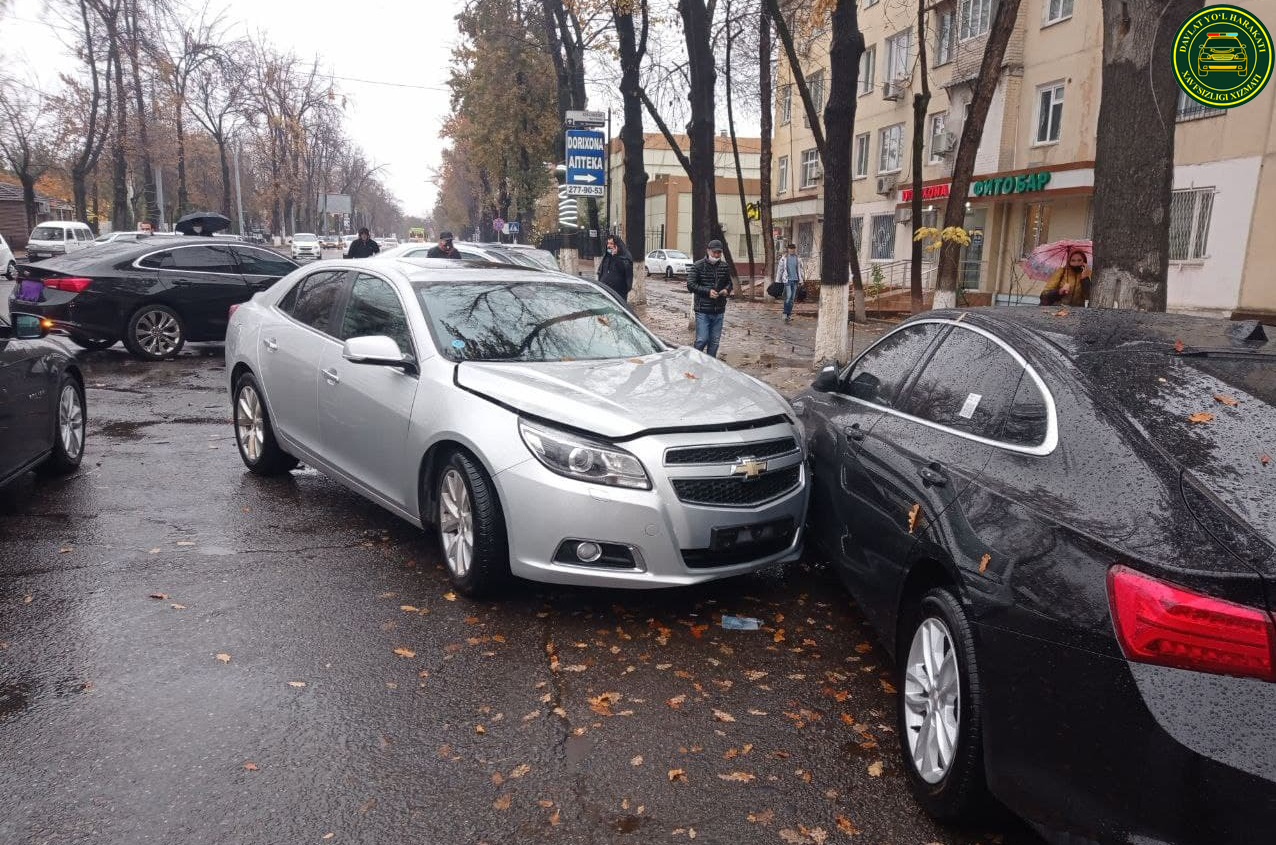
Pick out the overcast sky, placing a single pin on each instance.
(390, 57)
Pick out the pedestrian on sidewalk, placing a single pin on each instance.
(788, 272)
(363, 246)
(616, 270)
(444, 248)
(709, 279)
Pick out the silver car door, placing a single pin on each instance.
(365, 410)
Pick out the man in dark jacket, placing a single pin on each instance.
(444, 248)
(363, 246)
(709, 279)
(616, 271)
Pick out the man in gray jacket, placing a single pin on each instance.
(788, 272)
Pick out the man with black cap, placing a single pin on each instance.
(444, 248)
(710, 280)
(363, 246)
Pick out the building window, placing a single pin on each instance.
(857, 233)
(1189, 109)
(898, 49)
(944, 36)
(868, 70)
(805, 239)
(1049, 113)
(782, 175)
(890, 141)
(815, 85)
(1057, 10)
(1036, 226)
(883, 235)
(861, 155)
(1190, 213)
(810, 168)
(976, 18)
(786, 104)
(939, 137)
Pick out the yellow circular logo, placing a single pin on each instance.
(1223, 56)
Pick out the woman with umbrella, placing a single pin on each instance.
(1065, 268)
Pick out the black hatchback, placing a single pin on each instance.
(1062, 523)
(155, 296)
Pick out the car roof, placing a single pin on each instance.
(460, 270)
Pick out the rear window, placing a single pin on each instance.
(47, 233)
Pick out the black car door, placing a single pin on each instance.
(202, 282)
(26, 422)
(261, 268)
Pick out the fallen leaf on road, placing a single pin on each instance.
(848, 719)
(738, 777)
(450, 596)
(405, 652)
(875, 769)
(329, 835)
(676, 701)
(178, 606)
(779, 636)
(66, 550)
(27, 599)
(636, 761)
(764, 817)
(844, 825)
(185, 543)
(497, 778)
(1200, 417)
(520, 770)
(407, 608)
(697, 631)
(479, 729)
(575, 667)
(723, 716)
(223, 657)
(818, 835)
(1061, 313)
(793, 837)
(983, 563)
(1264, 459)
(887, 686)
(601, 704)
(755, 674)
(250, 766)
(677, 775)
(1178, 346)
(503, 803)
(1225, 400)
(159, 596)
(554, 818)
(154, 551)
(297, 684)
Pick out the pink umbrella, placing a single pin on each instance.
(1046, 259)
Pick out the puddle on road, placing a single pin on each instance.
(14, 698)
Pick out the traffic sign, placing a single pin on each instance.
(498, 223)
(583, 119)
(512, 227)
(586, 170)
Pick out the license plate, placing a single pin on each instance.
(738, 536)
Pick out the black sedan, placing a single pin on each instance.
(1062, 523)
(42, 415)
(154, 295)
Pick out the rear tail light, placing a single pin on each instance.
(70, 284)
(1161, 623)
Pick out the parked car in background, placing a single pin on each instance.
(305, 245)
(1062, 523)
(330, 241)
(42, 413)
(389, 242)
(227, 236)
(540, 428)
(346, 240)
(8, 264)
(543, 257)
(155, 295)
(469, 251)
(113, 237)
(668, 263)
(58, 237)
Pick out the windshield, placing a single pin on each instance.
(673, 253)
(531, 321)
(46, 233)
(304, 237)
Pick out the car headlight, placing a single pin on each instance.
(583, 459)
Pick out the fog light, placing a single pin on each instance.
(588, 552)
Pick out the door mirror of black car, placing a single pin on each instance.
(864, 386)
(377, 350)
(826, 381)
(29, 327)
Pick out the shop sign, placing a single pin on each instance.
(929, 192)
(1011, 185)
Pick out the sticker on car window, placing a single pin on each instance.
(968, 408)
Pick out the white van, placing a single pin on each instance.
(58, 237)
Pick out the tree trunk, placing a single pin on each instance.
(735, 153)
(1134, 153)
(150, 204)
(225, 163)
(1003, 26)
(920, 103)
(80, 196)
(183, 198)
(632, 49)
(764, 95)
(703, 76)
(845, 49)
(120, 217)
(27, 181)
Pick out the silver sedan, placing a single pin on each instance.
(527, 418)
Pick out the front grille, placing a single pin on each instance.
(738, 492)
(730, 454)
(710, 558)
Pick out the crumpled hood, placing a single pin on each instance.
(619, 398)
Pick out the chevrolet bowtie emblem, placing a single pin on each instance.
(749, 468)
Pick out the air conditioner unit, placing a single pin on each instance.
(892, 90)
(943, 144)
(886, 184)
(904, 215)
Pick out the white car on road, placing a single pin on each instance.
(8, 267)
(306, 245)
(668, 263)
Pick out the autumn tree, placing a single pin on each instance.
(26, 138)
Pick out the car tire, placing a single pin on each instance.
(952, 789)
(155, 332)
(471, 527)
(11, 272)
(669, 274)
(69, 424)
(91, 343)
(254, 433)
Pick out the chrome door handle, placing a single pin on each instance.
(331, 375)
(270, 343)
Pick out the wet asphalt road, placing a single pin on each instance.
(190, 654)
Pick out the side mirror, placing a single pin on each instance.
(29, 327)
(826, 381)
(377, 350)
(864, 386)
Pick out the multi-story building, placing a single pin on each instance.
(1034, 173)
(668, 213)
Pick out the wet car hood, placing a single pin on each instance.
(619, 398)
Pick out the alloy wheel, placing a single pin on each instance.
(250, 423)
(932, 700)
(71, 421)
(456, 522)
(158, 333)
